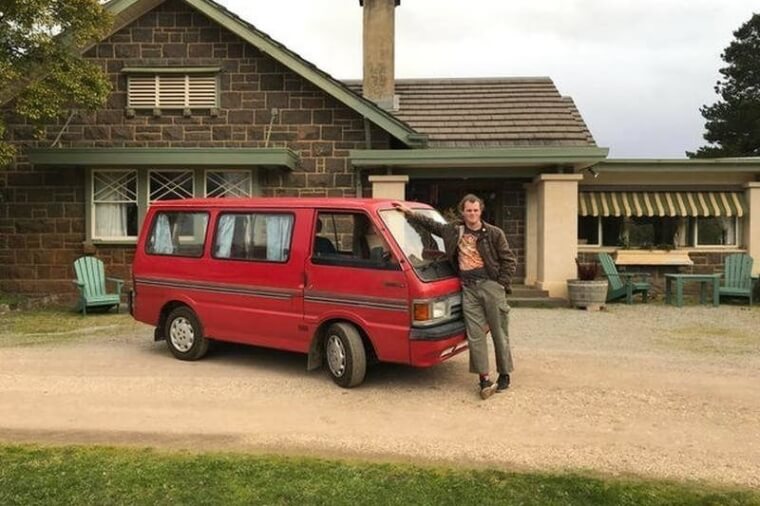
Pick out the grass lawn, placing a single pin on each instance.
(103, 476)
(56, 325)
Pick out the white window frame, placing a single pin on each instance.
(692, 243)
(143, 199)
(94, 203)
(737, 235)
(248, 173)
(191, 175)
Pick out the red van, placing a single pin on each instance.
(347, 281)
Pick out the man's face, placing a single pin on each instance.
(471, 213)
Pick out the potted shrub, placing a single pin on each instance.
(587, 291)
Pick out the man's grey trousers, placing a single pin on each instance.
(485, 306)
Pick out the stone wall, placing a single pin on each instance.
(513, 223)
(42, 210)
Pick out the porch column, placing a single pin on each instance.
(389, 187)
(752, 224)
(531, 234)
(557, 231)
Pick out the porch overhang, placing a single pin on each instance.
(185, 157)
(437, 162)
(621, 165)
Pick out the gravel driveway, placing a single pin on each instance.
(649, 390)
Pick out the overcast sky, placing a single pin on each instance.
(638, 69)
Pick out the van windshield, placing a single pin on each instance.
(424, 250)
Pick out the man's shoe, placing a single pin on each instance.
(487, 388)
(502, 383)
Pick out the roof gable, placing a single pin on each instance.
(126, 11)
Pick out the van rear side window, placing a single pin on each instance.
(178, 234)
(254, 236)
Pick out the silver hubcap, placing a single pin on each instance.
(336, 356)
(181, 334)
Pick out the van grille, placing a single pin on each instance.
(455, 305)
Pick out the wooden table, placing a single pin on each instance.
(702, 279)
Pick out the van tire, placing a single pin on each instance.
(346, 358)
(184, 334)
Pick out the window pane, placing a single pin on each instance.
(178, 233)
(588, 230)
(254, 236)
(350, 239)
(716, 231)
(640, 232)
(114, 198)
(652, 232)
(228, 184)
(171, 185)
(612, 231)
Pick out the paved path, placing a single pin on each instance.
(653, 391)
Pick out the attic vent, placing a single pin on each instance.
(171, 91)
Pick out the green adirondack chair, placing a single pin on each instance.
(623, 284)
(737, 277)
(91, 282)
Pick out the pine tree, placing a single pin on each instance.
(733, 122)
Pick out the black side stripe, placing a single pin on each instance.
(325, 298)
(218, 288)
(354, 301)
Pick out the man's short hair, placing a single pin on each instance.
(470, 198)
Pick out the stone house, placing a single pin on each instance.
(204, 104)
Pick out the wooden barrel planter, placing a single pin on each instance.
(591, 295)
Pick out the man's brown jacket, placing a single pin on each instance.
(499, 261)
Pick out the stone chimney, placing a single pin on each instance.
(379, 35)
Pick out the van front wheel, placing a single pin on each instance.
(346, 356)
(184, 335)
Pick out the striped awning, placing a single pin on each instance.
(661, 204)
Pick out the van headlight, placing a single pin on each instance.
(432, 311)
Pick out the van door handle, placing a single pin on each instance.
(394, 284)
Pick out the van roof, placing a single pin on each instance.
(285, 202)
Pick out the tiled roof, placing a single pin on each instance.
(524, 111)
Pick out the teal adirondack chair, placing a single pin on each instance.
(622, 284)
(91, 282)
(737, 277)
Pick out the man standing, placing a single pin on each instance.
(486, 265)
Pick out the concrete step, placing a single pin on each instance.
(528, 296)
(528, 291)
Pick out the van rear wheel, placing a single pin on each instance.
(346, 356)
(184, 335)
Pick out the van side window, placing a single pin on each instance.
(349, 239)
(178, 234)
(254, 236)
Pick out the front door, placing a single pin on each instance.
(445, 195)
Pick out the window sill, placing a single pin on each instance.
(593, 248)
(131, 241)
(653, 257)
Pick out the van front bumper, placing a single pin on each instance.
(437, 332)
(433, 345)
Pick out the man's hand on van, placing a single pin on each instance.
(401, 207)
